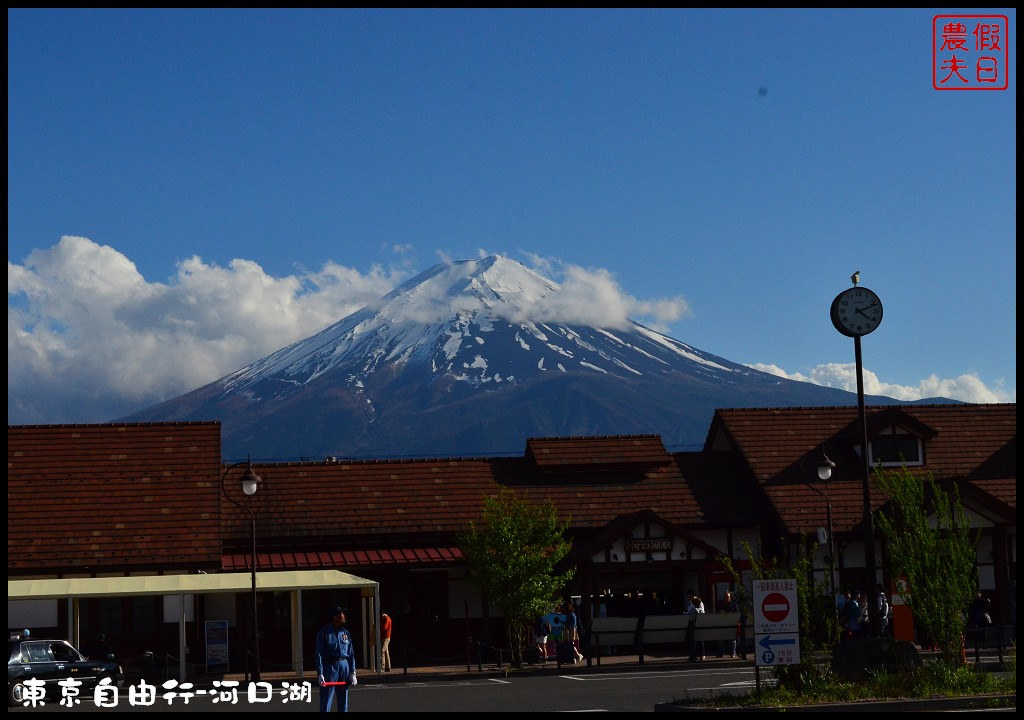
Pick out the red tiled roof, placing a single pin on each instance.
(148, 495)
(610, 452)
(1002, 489)
(113, 497)
(310, 502)
(781, 447)
(319, 503)
(773, 440)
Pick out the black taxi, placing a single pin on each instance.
(52, 661)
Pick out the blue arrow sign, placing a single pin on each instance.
(766, 642)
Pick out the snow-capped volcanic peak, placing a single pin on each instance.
(474, 357)
(474, 321)
(494, 279)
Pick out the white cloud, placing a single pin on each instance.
(966, 388)
(584, 297)
(593, 297)
(89, 339)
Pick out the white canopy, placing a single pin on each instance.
(74, 589)
(182, 584)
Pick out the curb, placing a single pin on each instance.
(902, 705)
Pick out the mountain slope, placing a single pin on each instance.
(472, 358)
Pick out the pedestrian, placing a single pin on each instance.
(385, 642)
(841, 606)
(884, 610)
(335, 660)
(541, 630)
(99, 650)
(852, 609)
(729, 605)
(865, 616)
(695, 608)
(572, 630)
(979, 617)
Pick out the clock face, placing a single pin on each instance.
(856, 311)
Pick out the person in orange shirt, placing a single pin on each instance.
(385, 641)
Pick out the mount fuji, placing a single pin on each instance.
(472, 358)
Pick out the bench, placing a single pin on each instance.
(607, 631)
(708, 627)
(661, 630)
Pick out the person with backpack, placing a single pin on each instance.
(572, 630)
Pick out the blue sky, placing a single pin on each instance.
(189, 190)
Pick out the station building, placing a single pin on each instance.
(142, 531)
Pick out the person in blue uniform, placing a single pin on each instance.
(335, 660)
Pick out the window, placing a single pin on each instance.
(896, 446)
(62, 652)
(37, 652)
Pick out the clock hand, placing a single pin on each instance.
(861, 311)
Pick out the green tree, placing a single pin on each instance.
(930, 543)
(512, 553)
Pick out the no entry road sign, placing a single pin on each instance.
(775, 607)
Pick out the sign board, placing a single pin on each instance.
(901, 593)
(776, 622)
(775, 607)
(777, 649)
(216, 645)
(649, 545)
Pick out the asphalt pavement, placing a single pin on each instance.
(431, 672)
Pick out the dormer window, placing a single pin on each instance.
(895, 446)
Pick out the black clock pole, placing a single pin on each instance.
(869, 595)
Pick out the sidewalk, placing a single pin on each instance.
(432, 672)
(614, 663)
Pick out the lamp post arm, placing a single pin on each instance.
(820, 492)
(224, 490)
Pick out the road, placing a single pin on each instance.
(626, 691)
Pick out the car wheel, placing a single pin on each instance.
(16, 693)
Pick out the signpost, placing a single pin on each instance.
(776, 623)
(216, 645)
